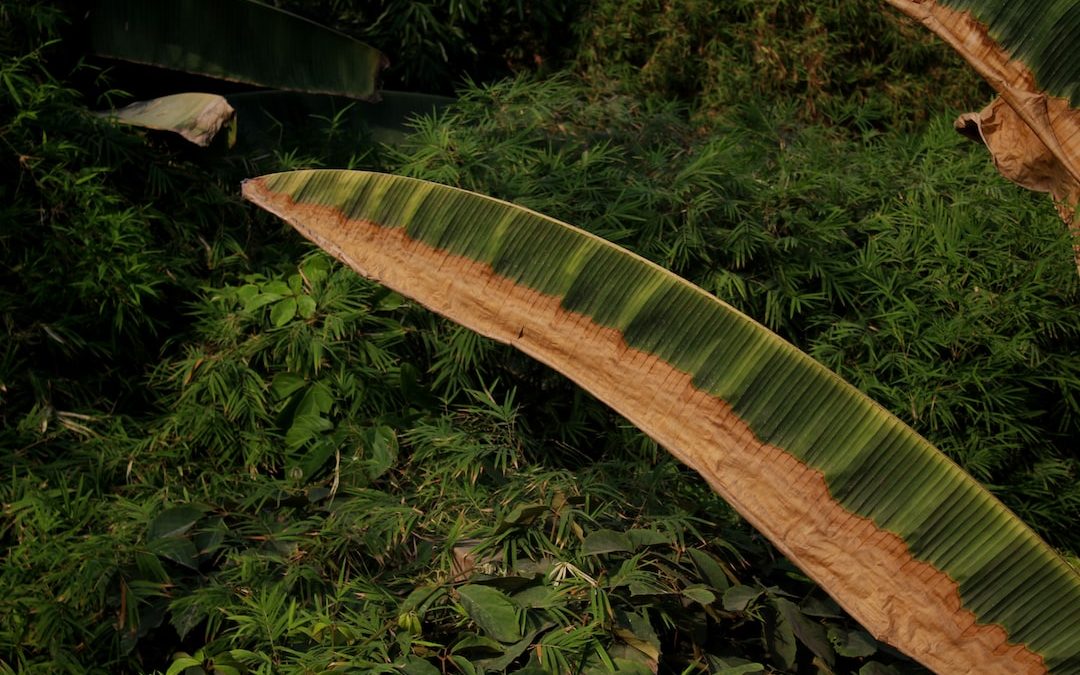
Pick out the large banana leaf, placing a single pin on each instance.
(237, 40)
(1026, 50)
(906, 541)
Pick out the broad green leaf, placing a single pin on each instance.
(306, 427)
(174, 522)
(417, 666)
(195, 116)
(821, 607)
(478, 643)
(246, 294)
(209, 537)
(643, 628)
(492, 611)
(644, 649)
(253, 301)
(383, 451)
(277, 287)
(539, 596)
(888, 525)
(283, 312)
(286, 384)
(180, 550)
(709, 569)
(739, 670)
(738, 598)
(732, 666)
(809, 632)
(522, 514)
(181, 663)
(780, 639)
(314, 459)
(463, 664)
(295, 282)
(606, 541)
(699, 594)
(639, 588)
(641, 537)
(513, 651)
(852, 643)
(317, 400)
(186, 620)
(315, 269)
(236, 40)
(391, 301)
(421, 598)
(305, 306)
(621, 667)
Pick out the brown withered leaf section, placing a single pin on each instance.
(870, 571)
(1033, 137)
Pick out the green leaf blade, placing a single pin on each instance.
(214, 38)
(861, 502)
(492, 611)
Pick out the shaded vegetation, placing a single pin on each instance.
(838, 62)
(434, 45)
(222, 445)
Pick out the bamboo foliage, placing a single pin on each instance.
(907, 542)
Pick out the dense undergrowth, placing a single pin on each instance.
(224, 451)
(836, 62)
